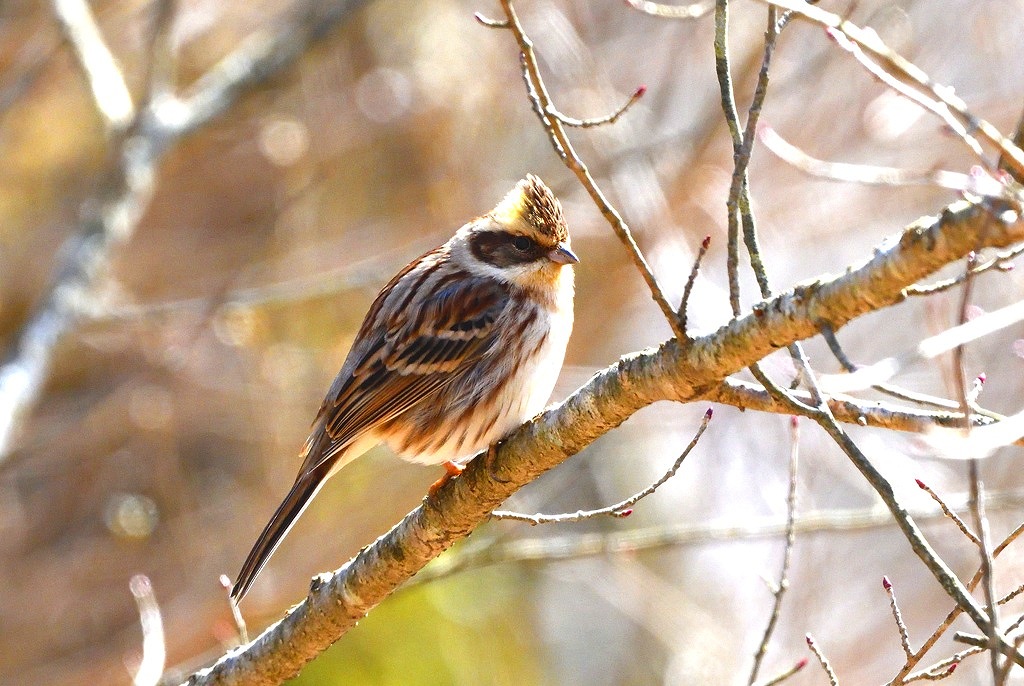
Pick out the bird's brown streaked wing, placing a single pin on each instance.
(390, 369)
(417, 357)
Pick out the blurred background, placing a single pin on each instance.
(173, 411)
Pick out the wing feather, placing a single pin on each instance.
(404, 360)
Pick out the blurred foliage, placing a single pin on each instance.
(459, 631)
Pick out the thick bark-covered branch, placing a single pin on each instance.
(673, 371)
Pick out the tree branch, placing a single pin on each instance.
(882, 415)
(680, 371)
(126, 193)
(570, 546)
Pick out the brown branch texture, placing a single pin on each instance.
(675, 371)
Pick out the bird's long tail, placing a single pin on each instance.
(287, 513)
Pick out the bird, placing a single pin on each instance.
(462, 346)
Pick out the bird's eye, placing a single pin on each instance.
(522, 243)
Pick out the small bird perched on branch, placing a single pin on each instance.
(458, 349)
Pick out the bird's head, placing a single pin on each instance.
(524, 240)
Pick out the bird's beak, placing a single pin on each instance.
(561, 254)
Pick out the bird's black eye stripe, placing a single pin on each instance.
(504, 249)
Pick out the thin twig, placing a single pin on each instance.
(942, 98)
(620, 509)
(109, 90)
(987, 565)
(929, 349)
(541, 99)
(598, 121)
(694, 10)
(823, 661)
(1015, 625)
(1003, 676)
(972, 640)
(1011, 595)
(942, 668)
(898, 617)
(974, 477)
(902, 675)
(691, 279)
(574, 546)
(979, 183)
(1000, 261)
(778, 679)
(949, 513)
(728, 99)
(490, 23)
(739, 195)
(162, 64)
(746, 395)
(889, 389)
(154, 648)
(934, 675)
(236, 614)
(787, 554)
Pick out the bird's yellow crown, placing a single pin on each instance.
(531, 202)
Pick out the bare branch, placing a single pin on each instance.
(949, 513)
(694, 10)
(691, 279)
(1000, 261)
(823, 661)
(904, 675)
(979, 183)
(674, 371)
(599, 121)
(974, 478)
(943, 669)
(889, 389)
(898, 616)
(787, 553)
(941, 99)
(620, 509)
(928, 349)
(797, 666)
(573, 546)
(542, 103)
(236, 614)
(129, 187)
(746, 395)
(109, 90)
(154, 649)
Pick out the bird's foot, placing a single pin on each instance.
(490, 457)
(451, 470)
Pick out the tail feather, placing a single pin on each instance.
(287, 513)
